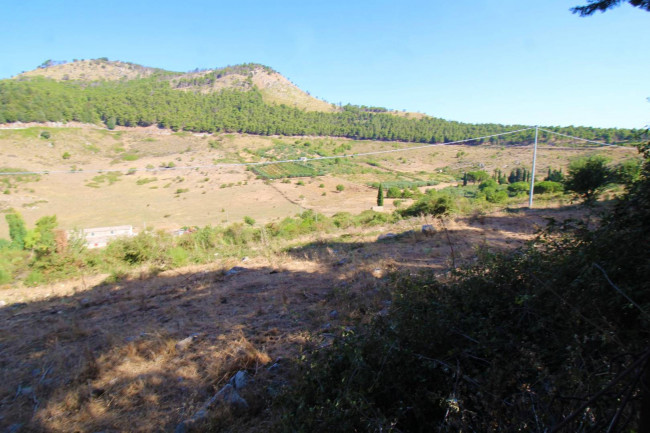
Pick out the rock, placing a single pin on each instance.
(334, 314)
(26, 390)
(2, 303)
(428, 229)
(386, 236)
(240, 379)
(276, 365)
(226, 395)
(85, 302)
(342, 262)
(245, 259)
(234, 271)
(186, 342)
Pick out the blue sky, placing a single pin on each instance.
(505, 61)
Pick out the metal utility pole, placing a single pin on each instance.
(532, 174)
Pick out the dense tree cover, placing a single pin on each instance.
(153, 101)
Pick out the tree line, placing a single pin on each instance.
(155, 101)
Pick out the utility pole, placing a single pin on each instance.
(532, 174)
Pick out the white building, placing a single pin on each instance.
(99, 237)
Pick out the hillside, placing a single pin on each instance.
(242, 98)
(91, 70)
(275, 88)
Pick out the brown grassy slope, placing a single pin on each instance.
(92, 70)
(104, 356)
(275, 88)
(210, 195)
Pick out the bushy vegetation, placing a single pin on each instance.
(551, 337)
(44, 254)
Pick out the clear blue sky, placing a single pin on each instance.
(505, 61)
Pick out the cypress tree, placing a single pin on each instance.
(17, 230)
(380, 195)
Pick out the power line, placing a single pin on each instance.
(320, 158)
(250, 164)
(581, 139)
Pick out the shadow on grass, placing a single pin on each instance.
(109, 358)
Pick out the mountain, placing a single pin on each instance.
(275, 88)
(248, 98)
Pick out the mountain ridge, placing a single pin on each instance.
(248, 98)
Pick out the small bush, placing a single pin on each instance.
(340, 188)
(518, 188)
(46, 135)
(178, 256)
(34, 278)
(66, 155)
(494, 195)
(490, 183)
(548, 186)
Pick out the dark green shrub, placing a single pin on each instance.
(436, 206)
(588, 177)
(495, 195)
(489, 183)
(548, 186)
(518, 188)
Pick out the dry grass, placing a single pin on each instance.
(91, 70)
(108, 357)
(214, 195)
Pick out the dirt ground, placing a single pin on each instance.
(89, 356)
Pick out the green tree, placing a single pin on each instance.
(603, 5)
(587, 177)
(17, 230)
(380, 195)
(42, 239)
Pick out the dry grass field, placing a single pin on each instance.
(89, 356)
(143, 193)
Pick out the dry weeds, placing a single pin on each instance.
(117, 357)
